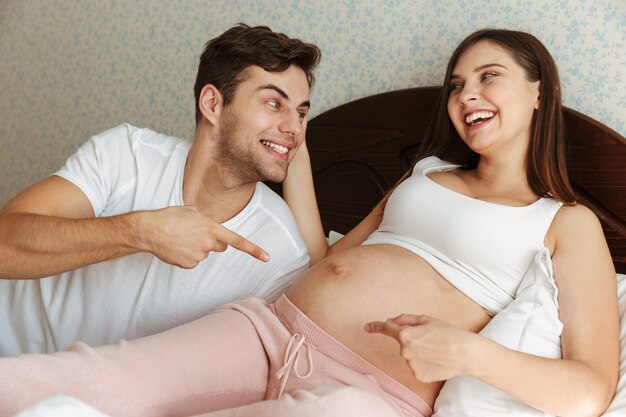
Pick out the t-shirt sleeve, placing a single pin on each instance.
(94, 168)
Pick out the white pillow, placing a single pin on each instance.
(60, 406)
(530, 324)
(333, 237)
(618, 405)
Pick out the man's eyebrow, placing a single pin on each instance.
(283, 94)
(480, 68)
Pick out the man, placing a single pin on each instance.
(140, 232)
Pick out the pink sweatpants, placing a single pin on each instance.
(244, 359)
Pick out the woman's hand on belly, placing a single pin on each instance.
(432, 348)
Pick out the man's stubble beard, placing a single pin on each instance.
(238, 159)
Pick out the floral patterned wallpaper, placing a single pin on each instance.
(72, 68)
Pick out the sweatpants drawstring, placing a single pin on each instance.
(292, 354)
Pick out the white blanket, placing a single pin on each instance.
(63, 406)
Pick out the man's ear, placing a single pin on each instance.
(211, 103)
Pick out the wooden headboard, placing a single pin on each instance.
(360, 149)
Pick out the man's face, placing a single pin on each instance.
(265, 123)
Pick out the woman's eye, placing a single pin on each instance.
(302, 115)
(488, 75)
(274, 103)
(455, 87)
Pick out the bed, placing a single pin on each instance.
(359, 149)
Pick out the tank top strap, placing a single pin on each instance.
(547, 210)
(433, 163)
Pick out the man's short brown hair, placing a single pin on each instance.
(225, 58)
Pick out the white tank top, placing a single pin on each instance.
(482, 248)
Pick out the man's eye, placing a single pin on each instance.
(302, 115)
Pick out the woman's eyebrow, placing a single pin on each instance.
(480, 68)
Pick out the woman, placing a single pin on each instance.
(443, 254)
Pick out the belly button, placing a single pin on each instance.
(336, 270)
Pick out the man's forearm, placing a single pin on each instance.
(35, 246)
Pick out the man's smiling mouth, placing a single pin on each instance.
(276, 147)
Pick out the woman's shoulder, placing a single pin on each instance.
(576, 213)
(575, 221)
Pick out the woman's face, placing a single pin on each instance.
(491, 103)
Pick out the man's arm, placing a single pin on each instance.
(299, 194)
(50, 228)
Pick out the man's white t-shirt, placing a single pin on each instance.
(128, 169)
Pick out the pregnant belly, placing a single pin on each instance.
(376, 282)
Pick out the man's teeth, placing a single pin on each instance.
(471, 118)
(278, 148)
